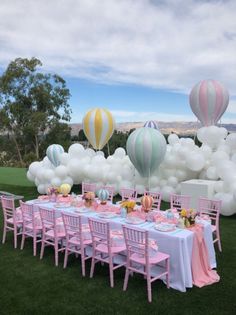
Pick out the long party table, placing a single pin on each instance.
(178, 243)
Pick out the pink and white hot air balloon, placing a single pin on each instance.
(209, 100)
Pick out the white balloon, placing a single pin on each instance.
(68, 180)
(231, 141)
(195, 162)
(140, 189)
(172, 139)
(30, 176)
(48, 174)
(41, 189)
(172, 181)
(34, 167)
(206, 150)
(47, 163)
(100, 153)
(61, 171)
(40, 174)
(76, 150)
(90, 152)
(219, 186)
(56, 182)
(219, 156)
(212, 173)
(181, 175)
(166, 192)
(64, 158)
(228, 203)
(120, 153)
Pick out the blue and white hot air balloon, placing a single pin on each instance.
(151, 124)
(103, 195)
(146, 148)
(53, 153)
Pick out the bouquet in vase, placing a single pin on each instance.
(129, 205)
(188, 215)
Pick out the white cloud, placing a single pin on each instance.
(165, 44)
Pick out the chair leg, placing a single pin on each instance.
(168, 273)
(126, 279)
(42, 248)
(149, 288)
(15, 237)
(34, 245)
(56, 253)
(92, 266)
(4, 234)
(65, 258)
(83, 262)
(111, 273)
(22, 241)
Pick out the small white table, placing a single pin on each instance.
(197, 188)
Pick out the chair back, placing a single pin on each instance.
(156, 199)
(27, 213)
(100, 232)
(127, 193)
(8, 206)
(72, 224)
(110, 189)
(86, 187)
(48, 219)
(180, 201)
(136, 241)
(211, 208)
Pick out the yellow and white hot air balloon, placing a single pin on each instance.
(98, 126)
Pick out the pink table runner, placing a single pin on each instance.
(202, 273)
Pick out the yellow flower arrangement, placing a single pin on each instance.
(189, 216)
(128, 204)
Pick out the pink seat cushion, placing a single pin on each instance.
(11, 221)
(153, 260)
(51, 234)
(114, 249)
(30, 226)
(75, 241)
(213, 228)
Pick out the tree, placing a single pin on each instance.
(32, 102)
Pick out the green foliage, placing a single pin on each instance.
(32, 102)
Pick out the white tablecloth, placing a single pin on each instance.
(178, 244)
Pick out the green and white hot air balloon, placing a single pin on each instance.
(53, 153)
(146, 148)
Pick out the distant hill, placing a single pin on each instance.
(179, 127)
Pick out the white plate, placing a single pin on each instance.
(134, 220)
(41, 201)
(62, 205)
(83, 210)
(165, 227)
(107, 215)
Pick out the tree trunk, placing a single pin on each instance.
(36, 146)
(18, 150)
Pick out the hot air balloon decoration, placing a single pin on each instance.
(53, 153)
(147, 202)
(103, 195)
(98, 126)
(146, 148)
(151, 124)
(209, 100)
(65, 189)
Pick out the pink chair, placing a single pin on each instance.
(50, 235)
(212, 209)
(86, 187)
(128, 194)
(31, 226)
(180, 202)
(156, 199)
(12, 219)
(137, 244)
(102, 247)
(110, 189)
(75, 242)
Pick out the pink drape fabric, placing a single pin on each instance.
(202, 273)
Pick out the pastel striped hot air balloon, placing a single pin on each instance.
(98, 126)
(151, 124)
(146, 148)
(53, 153)
(103, 195)
(147, 202)
(209, 100)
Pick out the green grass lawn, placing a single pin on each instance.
(14, 176)
(32, 286)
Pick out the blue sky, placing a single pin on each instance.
(137, 58)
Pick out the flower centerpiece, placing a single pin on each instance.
(188, 215)
(88, 198)
(53, 192)
(129, 205)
